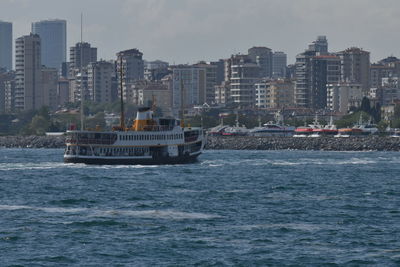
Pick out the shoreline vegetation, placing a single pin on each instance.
(365, 143)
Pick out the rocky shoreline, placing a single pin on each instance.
(375, 143)
(32, 141)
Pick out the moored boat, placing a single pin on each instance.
(272, 129)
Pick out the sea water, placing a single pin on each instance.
(243, 208)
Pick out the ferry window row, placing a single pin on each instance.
(151, 137)
(139, 151)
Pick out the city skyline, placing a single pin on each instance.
(189, 31)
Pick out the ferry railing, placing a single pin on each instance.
(157, 128)
(87, 141)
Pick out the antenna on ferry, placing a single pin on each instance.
(80, 70)
(153, 103)
(122, 116)
(237, 119)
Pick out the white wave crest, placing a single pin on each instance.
(45, 209)
(159, 214)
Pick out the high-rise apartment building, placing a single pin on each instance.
(279, 63)
(385, 68)
(193, 92)
(78, 87)
(313, 73)
(6, 79)
(148, 93)
(262, 56)
(132, 65)
(320, 45)
(28, 75)
(355, 67)
(341, 96)
(155, 70)
(243, 75)
(63, 91)
(219, 75)
(49, 87)
(9, 95)
(5, 45)
(53, 35)
(314, 69)
(274, 94)
(102, 84)
(211, 81)
(222, 93)
(81, 55)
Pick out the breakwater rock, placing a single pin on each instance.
(32, 141)
(376, 143)
(365, 143)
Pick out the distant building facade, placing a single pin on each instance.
(102, 83)
(219, 71)
(28, 75)
(355, 66)
(210, 80)
(193, 92)
(155, 70)
(243, 75)
(6, 80)
(132, 64)
(53, 35)
(342, 96)
(389, 93)
(274, 94)
(263, 57)
(63, 91)
(81, 55)
(78, 87)
(314, 69)
(385, 68)
(320, 46)
(6, 45)
(156, 93)
(9, 95)
(279, 63)
(222, 93)
(49, 87)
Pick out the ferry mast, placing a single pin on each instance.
(122, 116)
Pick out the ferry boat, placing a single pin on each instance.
(149, 140)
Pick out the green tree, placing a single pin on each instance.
(39, 125)
(365, 105)
(396, 113)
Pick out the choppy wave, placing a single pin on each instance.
(291, 226)
(250, 208)
(294, 162)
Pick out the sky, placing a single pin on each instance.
(187, 31)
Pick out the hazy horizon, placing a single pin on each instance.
(187, 31)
